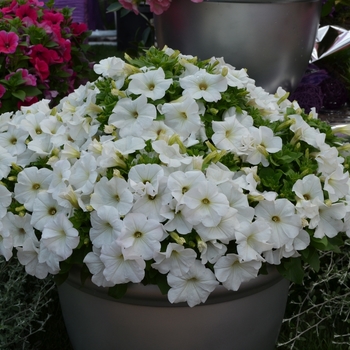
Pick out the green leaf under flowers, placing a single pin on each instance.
(310, 255)
(292, 269)
(118, 291)
(31, 90)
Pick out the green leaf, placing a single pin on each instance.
(20, 94)
(118, 291)
(310, 255)
(292, 269)
(114, 7)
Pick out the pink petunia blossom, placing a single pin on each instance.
(26, 10)
(130, 5)
(2, 90)
(8, 42)
(158, 6)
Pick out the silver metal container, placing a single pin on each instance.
(272, 39)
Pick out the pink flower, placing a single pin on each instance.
(78, 28)
(28, 101)
(42, 68)
(8, 42)
(2, 90)
(26, 11)
(158, 6)
(130, 5)
(52, 17)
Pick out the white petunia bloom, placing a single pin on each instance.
(132, 116)
(30, 182)
(60, 237)
(231, 272)
(258, 144)
(84, 174)
(28, 255)
(328, 222)
(204, 204)
(6, 160)
(140, 236)
(193, 287)
(60, 175)
(328, 160)
(142, 174)
(105, 226)
(280, 216)
(118, 269)
(170, 155)
(223, 231)
(45, 209)
(180, 182)
(182, 116)
(13, 140)
(112, 67)
(114, 192)
(204, 85)
(6, 244)
(19, 228)
(213, 251)
(228, 134)
(337, 184)
(252, 240)
(176, 259)
(5, 200)
(151, 84)
(96, 267)
(175, 220)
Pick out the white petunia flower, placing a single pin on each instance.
(176, 259)
(140, 236)
(231, 272)
(114, 192)
(193, 287)
(6, 160)
(19, 228)
(204, 85)
(96, 267)
(45, 209)
(176, 221)
(280, 216)
(6, 244)
(328, 222)
(28, 255)
(13, 140)
(118, 269)
(223, 231)
(105, 226)
(84, 174)
(132, 116)
(30, 182)
(337, 184)
(252, 240)
(204, 204)
(213, 251)
(258, 144)
(5, 200)
(328, 160)
(112, 67)
(182, 116)
(228, 134)
(60, 237)
(151, 84)
(170, 155)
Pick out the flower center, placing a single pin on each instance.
(184, 115)
(275, 219)
(52, 211)
(135, 115)
(205, 201)
(36, 187)
(13, 141)
(138, 234)
(184, 190)
(203, 86)
(307, 197)
(151, 87)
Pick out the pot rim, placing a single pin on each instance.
(150, 295)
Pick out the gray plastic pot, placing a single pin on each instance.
(248, 319)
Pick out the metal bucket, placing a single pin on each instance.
(273, 40)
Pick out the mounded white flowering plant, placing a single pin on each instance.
(173, 171)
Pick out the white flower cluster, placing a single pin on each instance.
(143, 211)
